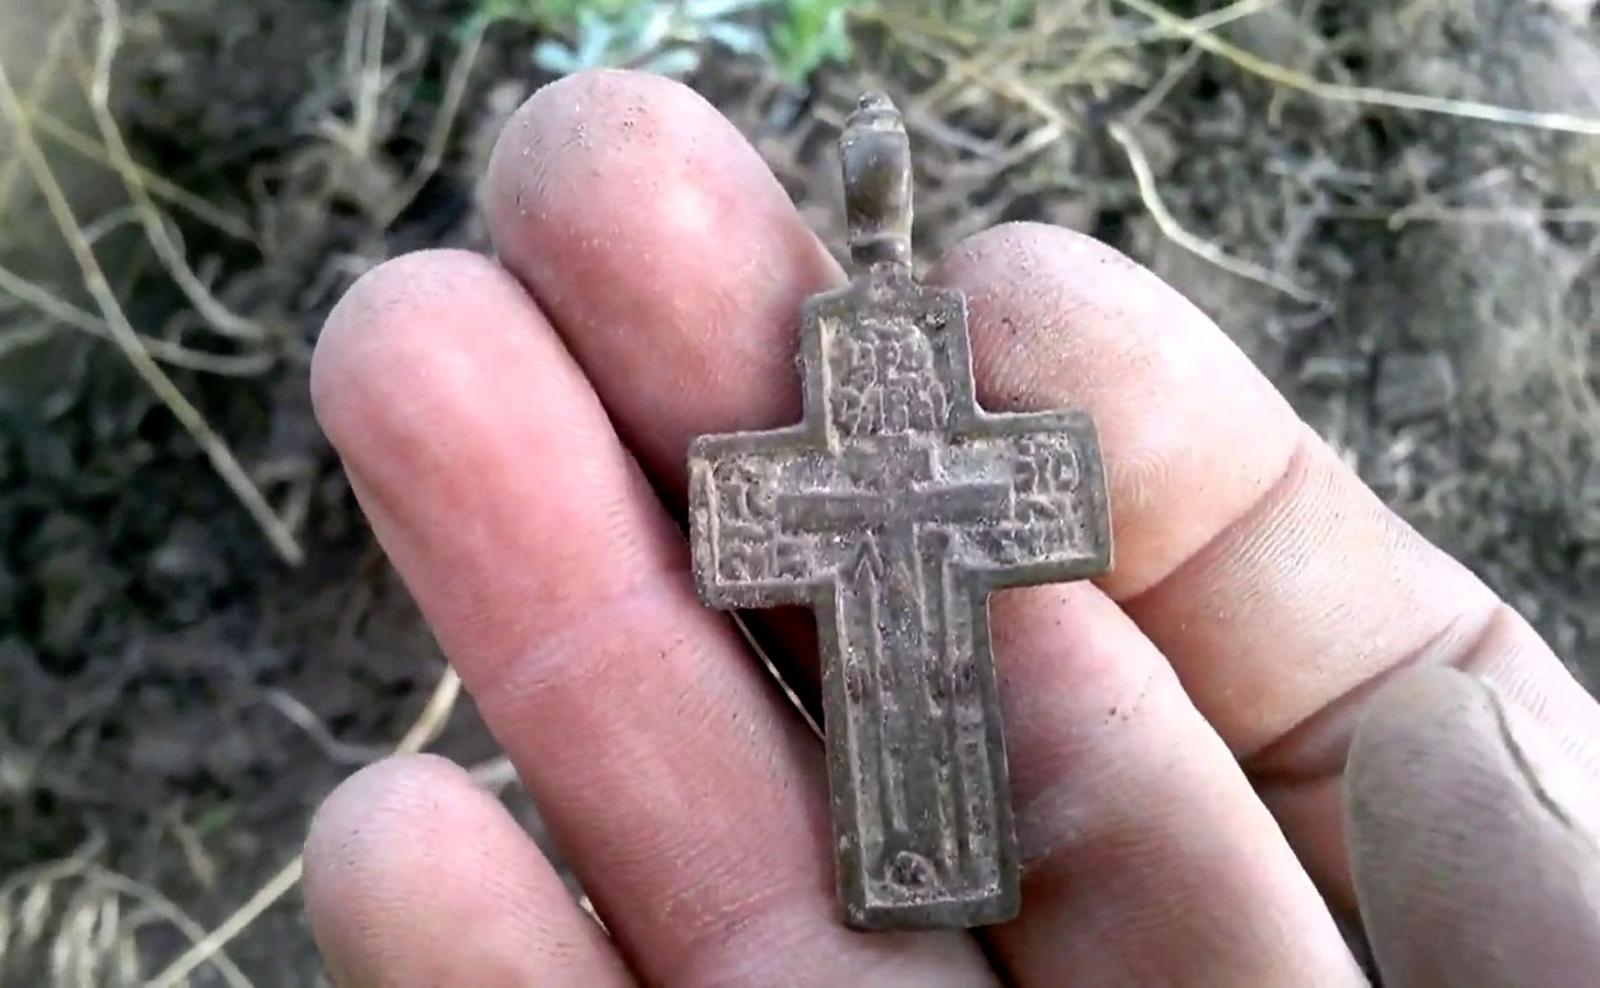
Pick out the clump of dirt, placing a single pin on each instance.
(174, 700)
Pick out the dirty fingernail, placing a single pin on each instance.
(1473, 839)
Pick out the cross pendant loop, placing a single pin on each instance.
(876, 155)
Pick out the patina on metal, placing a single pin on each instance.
(893, 509)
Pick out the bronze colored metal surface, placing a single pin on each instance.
(893, 509)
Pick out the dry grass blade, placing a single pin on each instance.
(127, 339)
(434, 715)
(371, 76)
(495, 774)
(1364, 95)
(439, 137)
(1396, 219)
(55, 45)
(986, 74)
(19, 338)
(306, 719)
(56, 308)
(1157, 94)
(426, 727)
(169, 912)
(220, 318)
(366, 31)
(1205, 249)
(90, 930)
(208, 949)
(75, 140)
(45, 122)
(1226, 15)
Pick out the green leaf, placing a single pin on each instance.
(809, 34)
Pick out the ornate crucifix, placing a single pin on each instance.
(893, 509)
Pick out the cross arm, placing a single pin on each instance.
(1056, 525)
(743, 557)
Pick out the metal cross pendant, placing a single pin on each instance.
(893, 509)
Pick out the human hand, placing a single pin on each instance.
(1180, 731)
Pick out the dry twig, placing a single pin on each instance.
(56, 308)
(127, 339)
(1205, 249)
(306, 719)
(439, 137)
(220, 318)
(34, 95)
(45, 122)
(75, 140)
(421, 733)
(1362, 95)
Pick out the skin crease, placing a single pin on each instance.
(655, 272)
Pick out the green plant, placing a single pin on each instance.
(656, 35)
(670, 36)
(808, 34)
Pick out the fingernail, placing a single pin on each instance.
(1554, 780)
(1471, 838)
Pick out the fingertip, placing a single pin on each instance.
(610, 170)
(361, 814)
(406, 308)
(365, 835)
(1410, 711)
(1412, 715)
(581, 125)
(391, 292)
(1452, 734)
(408, 853)
(652, 232)
(1030, 266)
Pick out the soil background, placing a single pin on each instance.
(175, 697)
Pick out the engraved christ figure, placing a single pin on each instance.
(893, 509)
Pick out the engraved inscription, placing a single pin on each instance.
(1047, 518)
(893, 509)
(749, 545)
(884, 381)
